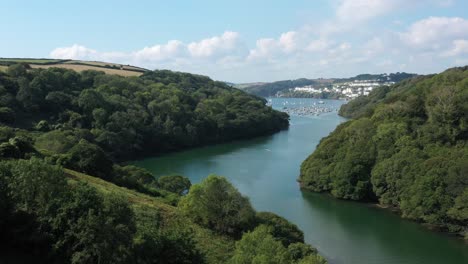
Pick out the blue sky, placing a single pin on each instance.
(244, 41)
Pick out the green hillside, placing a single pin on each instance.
(130, 117)
(406, 148)
(76, 65)
(66, 198)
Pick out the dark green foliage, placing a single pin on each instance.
(300, 250)
(173, 244)
(89, 229)
(56, 141)
(174, 183)
(85, 121)
(12, 146)
(7, 115)
(17, 70)
(407, 148)
(135, 178)
(283, 230)
(40, 210)
(260, 246)
(88, 158)
(216, 204)
(160, 111)
(43, 125)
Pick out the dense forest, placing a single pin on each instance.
(157, 112)
(406, 148)
(64, 198)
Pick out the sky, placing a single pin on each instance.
(244, 41)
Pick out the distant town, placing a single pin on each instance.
(323, 88)
(345, 90)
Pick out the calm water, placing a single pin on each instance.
(266, 169)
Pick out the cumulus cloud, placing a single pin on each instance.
(460, 47)
(172, 49)
(173, 52)
(269, 48)
(219, 45)
(362, 10)
(344, 45)
(288, 41)
(74, 52)
(435, 32)
(318, 45)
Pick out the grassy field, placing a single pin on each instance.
(80, 68)
(104, 64)
(77, 65)
(216, 248)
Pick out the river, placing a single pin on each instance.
(266, 169)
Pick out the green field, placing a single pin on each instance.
(76, 65)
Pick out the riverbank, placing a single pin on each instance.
(395, 210)
(265, 169)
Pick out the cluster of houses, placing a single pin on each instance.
(346, 90)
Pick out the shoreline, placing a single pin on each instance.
(395, 210)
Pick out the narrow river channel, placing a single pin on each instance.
(266, 169)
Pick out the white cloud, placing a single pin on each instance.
(269, 48)
(74, 52)
(173, 54)
(435, 33)
(215, 46)
(344, 45)
(265, 48)
(460, 47)
(288, 41)
(363, 10)
(374, 46)
(318, 45)
(172, 49)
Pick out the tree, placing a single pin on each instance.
(216, 204)
(17, 70)
(283, 230)
(90, 229)
(300, 251)
(88, 158)
(5, 202)
(172, 244)
(411, 139)
(7, 115)
(34, 183)
(42, 125)
(312, 259)
(260, 247)
(174, 183)
(90, 99)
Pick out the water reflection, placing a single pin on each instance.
(266, 170)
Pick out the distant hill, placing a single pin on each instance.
(272, 89)
(77, 65)
(245, 85)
